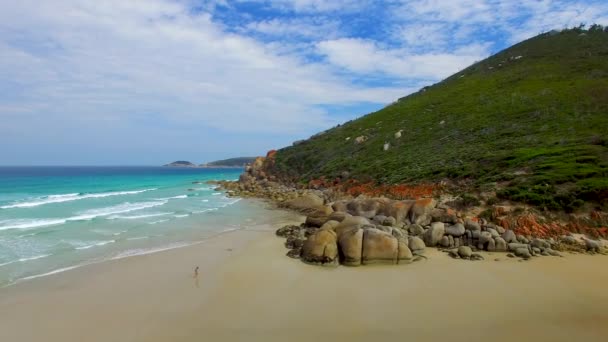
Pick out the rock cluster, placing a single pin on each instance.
(362, 230)
(353, 241)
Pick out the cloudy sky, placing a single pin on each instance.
(126, 82)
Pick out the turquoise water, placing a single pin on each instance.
(57, 218)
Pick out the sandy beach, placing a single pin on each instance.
(247, 290)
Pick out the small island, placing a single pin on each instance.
(180, 163)
(231, 163)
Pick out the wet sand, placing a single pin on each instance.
(248, 290)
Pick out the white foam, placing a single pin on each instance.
(159, 221)
(231, 203)
(204, 210)
(70, 197)
(26, 259)
(30, 223)
(83, 216)
(181, 215)
(34, 257)
(174, 197)
(139, 238)
(117, 209)
(135, 217)
(205, 200)
(216, 193)
(101, 243)
(50, 273)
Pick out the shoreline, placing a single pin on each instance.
(278, 221)
(248, 289)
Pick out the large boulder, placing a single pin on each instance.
(421, 211)
(390, 221)
(540, 243)
(340, 206)
(523, 253)
(415, 229)
(471, 225)
(443, 215)
(433, 235)
(416, 244)
(465, 252)
(593, 246)
(405, 254)
(351, 246)
(338, 216)
(484, 240)
(367, 208)
(398, 209)
(350, 223)
(318, 216)
(305, 202)
(378, 219)
(330, 225)
(509, 236)
(455, 230)
(501, 244)
(445, 241)
(321, 247)
(398, 233)
(379, 247)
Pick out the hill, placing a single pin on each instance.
(232, 162)
(529, 123)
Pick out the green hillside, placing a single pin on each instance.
(232, 162)
(530, 121)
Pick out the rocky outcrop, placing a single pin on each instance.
(367, 230)
(321, 247)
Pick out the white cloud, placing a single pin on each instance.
(117, 58)
(309, 6)
(364, 56)
(306, 27)
(425, 35)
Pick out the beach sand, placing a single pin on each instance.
(248, 290)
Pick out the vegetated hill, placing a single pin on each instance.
(530, 122)
(232, 162)
(181, 163)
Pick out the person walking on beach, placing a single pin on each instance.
(196, 272)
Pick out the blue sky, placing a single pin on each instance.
(146, 82)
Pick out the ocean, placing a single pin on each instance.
(57, 218)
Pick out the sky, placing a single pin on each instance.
(119, 82)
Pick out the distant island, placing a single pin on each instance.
(226, 163)
(181, 163)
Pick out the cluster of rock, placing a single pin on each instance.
(363, 231)
(360, 231)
